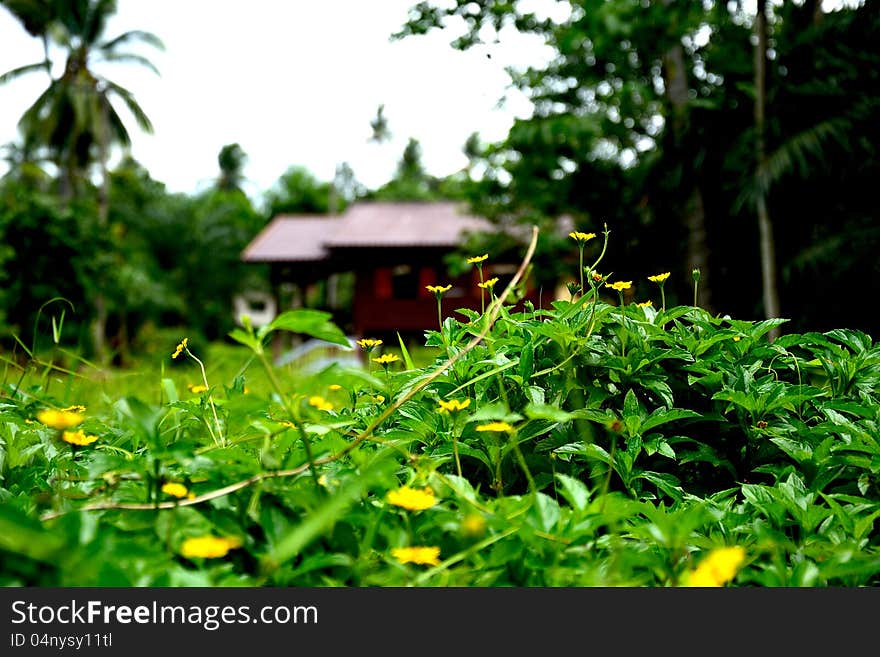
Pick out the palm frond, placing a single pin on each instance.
(807, 147)
(130, 58)
(137, 112)
(130, 37)
(20, 71)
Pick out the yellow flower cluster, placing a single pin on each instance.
(320, 403)
(412, 499)
(180, 348)
(208, 547)
(438, 289)
(645, 304)
(488, 284)
(719, 567)
(62, 419)
(659, 278)
(422, 555)
(495, 426)
(369, 343)
(578, 236)
(196, 389)
(78, 438)
(477, 259)
(386, 359)
(620, 286)
(453, 405)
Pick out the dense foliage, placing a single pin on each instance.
(601, 442)
(645, 117)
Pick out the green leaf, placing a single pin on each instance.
(23, 535)
(247, 340)
(406, 357)
(574, 491)
(170, 390)
(546, 412)
(315, 323)
(325, 516)
(545, 512)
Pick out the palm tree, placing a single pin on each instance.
(75, 118)
(231, 160)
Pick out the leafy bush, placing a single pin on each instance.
(593, 443)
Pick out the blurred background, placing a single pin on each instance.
(146, 144)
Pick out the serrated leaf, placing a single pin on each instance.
(574, 491)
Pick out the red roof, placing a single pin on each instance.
(303, 238)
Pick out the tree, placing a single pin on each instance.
(344, 189)
(769, 291)
(411, 182)
(298, 191)
(381, 132)
(75, 117)
(231, 160)
(648, 118)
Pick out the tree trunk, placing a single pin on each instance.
(694, 210)
(99, 303)
(770, 293)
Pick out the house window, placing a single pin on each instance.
(404, 282)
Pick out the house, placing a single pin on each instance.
(389, 251)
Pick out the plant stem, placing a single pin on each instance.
(276, 386)
(581, 264)
(219, 437)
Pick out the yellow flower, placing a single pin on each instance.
(578, 236)
(175, 490)
(75, 409)
(196, 389)
(489, 284)
(473, 525)
(438, 289)
(659, 278)
(495, 426)
(78, 438)
(378, 399)
(180, 348)
(320, 403)
(386, 359)
(645, 304)
(597, 277)
(477, 259)
(719, 567)
(369, 343)
(209, 547)
(60, 419)
(736, 338)
(427, 556)
(334, 386)
(453, 405)
(619, 285)
(413, 499)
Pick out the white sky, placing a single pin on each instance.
(294, 82)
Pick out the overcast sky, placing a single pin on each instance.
(294, 83)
